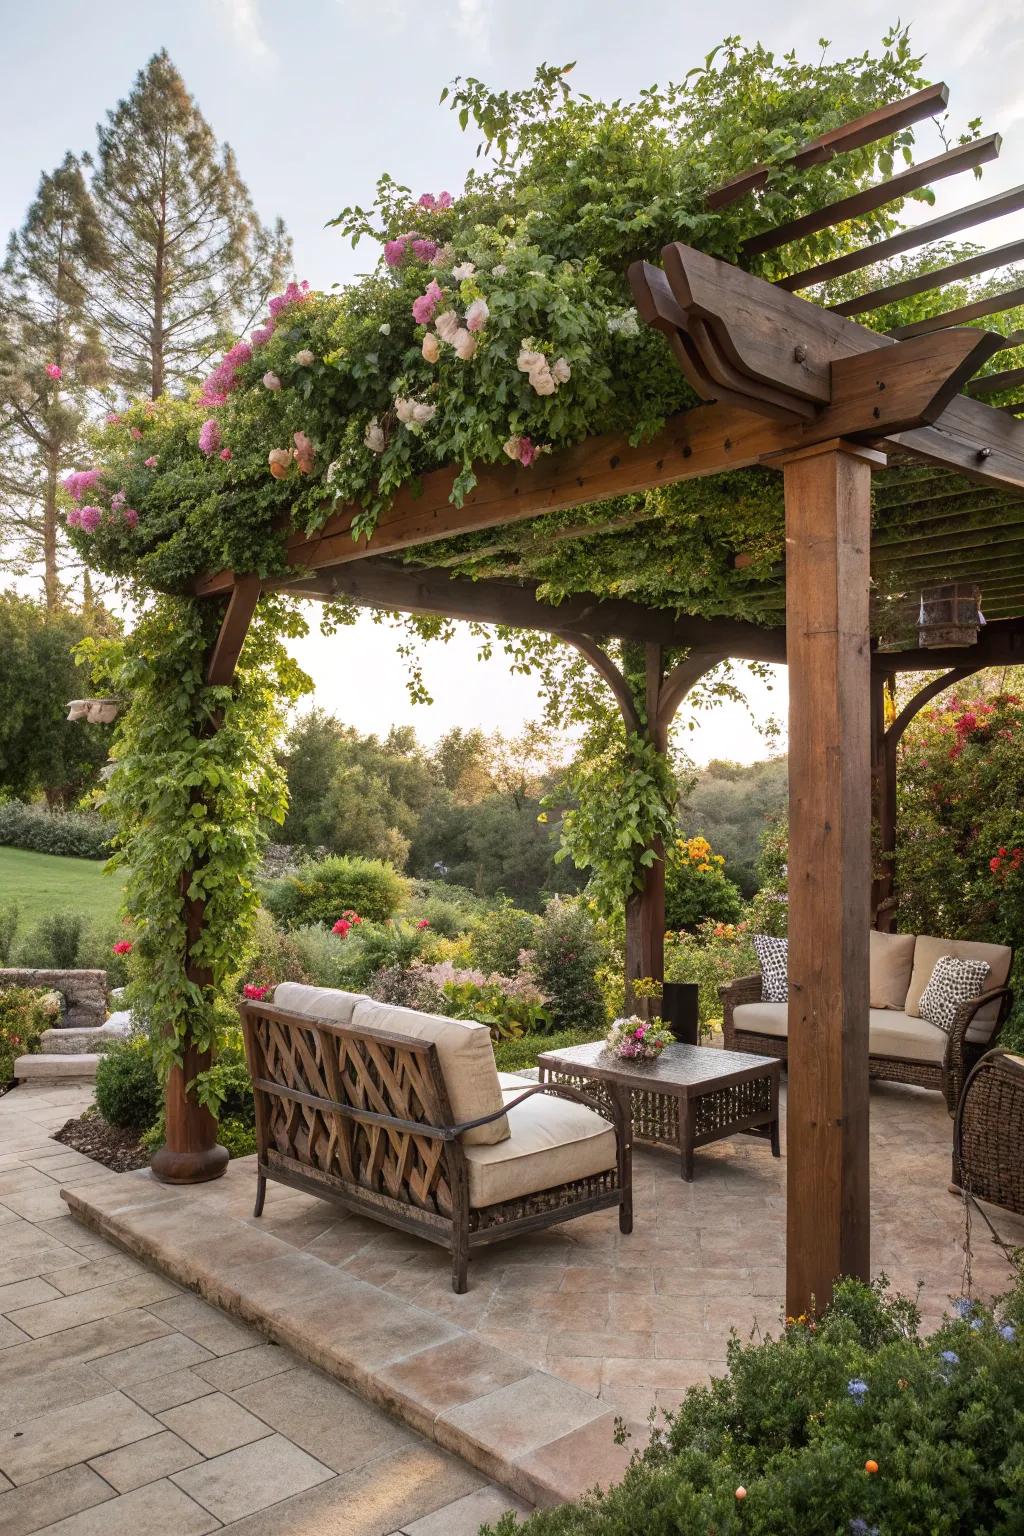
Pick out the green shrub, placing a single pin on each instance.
(24, 1013)
(10, 920)
(55, 943)
(801, 1420)
(497, 937)
(278, 955)
(72, 834)
(239, 1138)
(697, 887)
(446, 919)
(128, 1090)
(519, 1054)
(712, 957)
(566, 955)
(226, 1087)
(320, 891)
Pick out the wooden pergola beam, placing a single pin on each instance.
(928, 282)
(998, 645)
(995, 304)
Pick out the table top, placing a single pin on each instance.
(679, 1068)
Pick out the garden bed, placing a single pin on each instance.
(116, 1149)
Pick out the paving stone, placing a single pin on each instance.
(38, 1505)
(87, 1306)
(209, 1326)
(246, 1365)
(160, 1392)
(24, 1293)
(145, 1462)
(37, 1203)
(324, 1418)
(159, 1509)
(588, 1457)
(10, 1334)
(88, 1245)
(29, 1395)
(88, 1342)
(501, 1428)
(433, 1380)
(86, 1274)
(485, 1506)
(251, 1478)
(157, 1357)
(371, 1501)
(15, 1180)
(214, 1424)
(68, 1435)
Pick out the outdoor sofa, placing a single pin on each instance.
(903, 1047)
(403, 1116)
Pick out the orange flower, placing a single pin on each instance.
(871, 1467)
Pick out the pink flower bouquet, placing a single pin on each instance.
(636, 1039)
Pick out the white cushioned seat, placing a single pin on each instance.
(928, 950)
(552, 1141)
(317, 1002)
(467, 1061)
(889, 1033)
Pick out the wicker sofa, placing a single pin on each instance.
(988, 1139)
(903, 1047)
(403, 1116)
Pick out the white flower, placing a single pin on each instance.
(271, 381)
(499, 270)
(404, 410)
(431, 347)
(305, 358)
(447, 326)
(477, 315)
(624, 325)
(422, 413)
(561, 371)
(528, 358)
(464, 343)
(463, 270)
(385, 329)
(333, 469)
(443, 257)
(512, 447)
(374, 437)
(542, 380)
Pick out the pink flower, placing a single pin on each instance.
(432, 203)
(527, 452)
(151, 462)
(113, 419)
(52, 371)
(426, 250)
(427, 200)
(477, 315)
(431, 347)
(424, 922)
(90, 519)
(123, 947)
(424, 307)
(342, 927)
(261, 335)
(226, 454)
(394, 250)
(80, 481)
(74, 518)
(117, 501)
(271, 381)
(136, 433)
(240, 353)
(448, 326)
(131, 517)
(209, 436)
(444, 200)
(253, 993)
(295, 293)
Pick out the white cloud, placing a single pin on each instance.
(244, 24)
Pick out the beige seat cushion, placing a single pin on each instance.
(553, 1141)
(317, 1002)
(467, 1061)
(889, 1033)
(928, 950)
(890, 966)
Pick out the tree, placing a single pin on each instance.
(51, 361)
(41, 752)
(190, 263)
(731, 804)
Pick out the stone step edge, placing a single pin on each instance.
(61, 1064)
(542, 1486)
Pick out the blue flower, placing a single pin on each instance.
(859, 1527)
(977, 1324)
(857, 1389)
(950, 1357)
(963, 1306)
(1008, 1332)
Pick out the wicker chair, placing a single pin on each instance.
(363, 1115)
(988, 1138)
(946, 1076)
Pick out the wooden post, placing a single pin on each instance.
(191, 1153)
(828, 516)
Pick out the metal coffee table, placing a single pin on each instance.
(688, 1096)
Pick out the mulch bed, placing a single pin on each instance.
(106, 1144)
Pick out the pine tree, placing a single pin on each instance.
(51, 364)
(190, 262)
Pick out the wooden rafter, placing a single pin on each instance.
(938, 277)
(995, 304)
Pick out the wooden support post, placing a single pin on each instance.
(828, 516)
(645, 908)
(191, 1153)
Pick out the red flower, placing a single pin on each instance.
(994, 864)
(342, 928)
(254, 993)
(424, 922)
(350, 916)
(123, 947)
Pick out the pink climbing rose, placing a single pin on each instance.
(261, 335)
(90, 519)
(79, 481)
(271, 381)
(209, 436)
(131, 517)
(118, 500)
(424, 307)
(113, 419)
(53, 371)
(295, 293)
(426, 250)
(74, 518)
(394, 250)
(226, 454)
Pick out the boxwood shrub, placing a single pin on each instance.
(320, 891)
(74, 834)
(128, 1091)
(851, 1425)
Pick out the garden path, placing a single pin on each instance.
(128, 1404)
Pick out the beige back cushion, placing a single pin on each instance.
(466, 1056)
(928, 950)
(892, 960)
(317, 1002)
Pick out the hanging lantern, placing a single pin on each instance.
(950, 615)
(94, 711)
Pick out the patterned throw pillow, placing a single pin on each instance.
(773, 955)
(953, 983)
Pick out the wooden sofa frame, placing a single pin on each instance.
(948, 1078)
(365, 1119)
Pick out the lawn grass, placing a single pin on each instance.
(43, 882)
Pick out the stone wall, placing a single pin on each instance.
(84, 991)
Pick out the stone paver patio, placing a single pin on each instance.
(129, 1406)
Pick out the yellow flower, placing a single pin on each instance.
(543, 816)
(704, 869)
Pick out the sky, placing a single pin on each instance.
(318, 97)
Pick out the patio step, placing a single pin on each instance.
(49, 1065)
(81, 1042)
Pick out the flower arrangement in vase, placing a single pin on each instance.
(636, 1039)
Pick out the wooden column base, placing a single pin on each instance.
(172, 1167)
(191, 1154)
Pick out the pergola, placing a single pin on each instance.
(898, 476)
